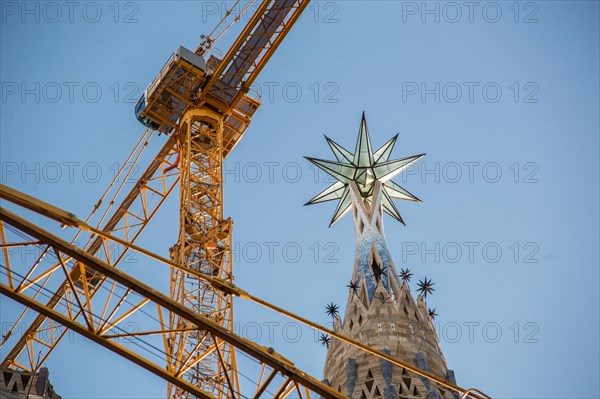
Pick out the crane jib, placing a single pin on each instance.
(268, 25)
(187, 78)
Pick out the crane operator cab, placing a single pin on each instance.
(177, 87)
(174, 89)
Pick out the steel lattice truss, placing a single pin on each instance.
(125, 219)
(205, 363)
(204, 245)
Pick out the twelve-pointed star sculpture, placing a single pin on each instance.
(364, 167)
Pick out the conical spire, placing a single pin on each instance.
(381, 311)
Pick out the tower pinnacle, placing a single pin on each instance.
(380, 311)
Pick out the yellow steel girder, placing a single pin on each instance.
(165, 303)
(229, 288)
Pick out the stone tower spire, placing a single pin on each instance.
(381, 312)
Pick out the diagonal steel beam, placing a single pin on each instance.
(231, 289)
(256, 351)
(78, 328)
(70, 220)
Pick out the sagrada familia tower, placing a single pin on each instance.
(381, 311)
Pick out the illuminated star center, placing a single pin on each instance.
(364, 168)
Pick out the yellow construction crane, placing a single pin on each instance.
(202, 103)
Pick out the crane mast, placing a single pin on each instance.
(207, 133)
(204, 244)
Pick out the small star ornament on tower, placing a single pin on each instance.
(364, 168)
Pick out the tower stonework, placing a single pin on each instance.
(381, 311)
(383, 314)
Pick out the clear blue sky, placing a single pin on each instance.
(503, 97)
